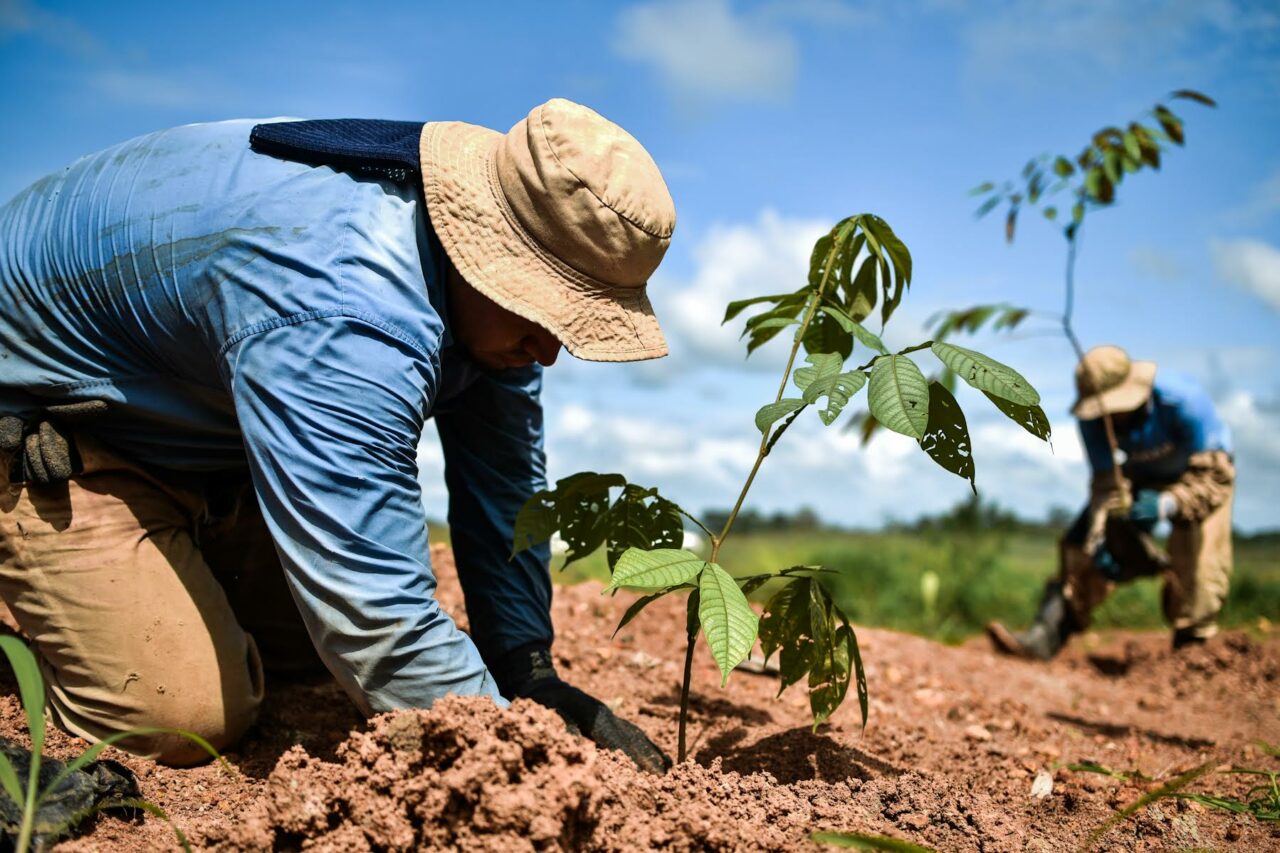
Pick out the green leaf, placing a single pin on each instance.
(897, 250)
(899, 396)
(31, 689)
(777, 433)
(862, 333)
(986, 374)
(818, 260)
(824, 379)
(982, 189)
(641, 518)
(946, 438)
(640, 604)
(825, 335)
(12, 786)
(859, 841)
(1030, 418)
(783, 622)
(1191, 95)
(863, 293)
(738, 306)
(1166, 790)
(1062, 167)
(649, 571)
(770, 413)
(1171, 123)
(727, 619)
(577, 507)
(986, 207)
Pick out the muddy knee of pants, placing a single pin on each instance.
(218, 707)
(1199, 575)
(131, 627)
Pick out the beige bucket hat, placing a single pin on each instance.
(561, 220)
(1107, 382)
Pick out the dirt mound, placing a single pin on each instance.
(956, 738)
(468, 776)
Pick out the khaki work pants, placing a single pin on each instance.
(1196, 569)
(140, 604)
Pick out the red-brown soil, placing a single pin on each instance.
(955, 740)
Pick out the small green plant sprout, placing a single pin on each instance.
(1261, 801)
(859, 265)
(51, 803)
(859, 841)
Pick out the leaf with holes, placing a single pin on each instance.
(641, 518)
(1030, 418)
(727, 619)
(987, 374)
(946, 438)
(649, 571)
(899, 395)
(824, 379)
(577, 507)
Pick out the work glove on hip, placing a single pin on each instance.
(43, 450)
(528, 673)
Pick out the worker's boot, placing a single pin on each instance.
(1046, 636)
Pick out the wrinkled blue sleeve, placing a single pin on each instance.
(492, 437)
(331, 409)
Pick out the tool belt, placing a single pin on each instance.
(42, 447)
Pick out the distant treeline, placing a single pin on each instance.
(971, 514)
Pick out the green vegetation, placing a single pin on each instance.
(36, 826)
(883, 577)
(642, 531)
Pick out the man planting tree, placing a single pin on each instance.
(1177, 467)
(220, 344)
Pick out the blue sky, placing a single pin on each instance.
(771, 120)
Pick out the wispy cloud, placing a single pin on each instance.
(96, 64)
(1252, 265)
(1156, 262)
(710, 51)
(770, 255)
(1024, 42)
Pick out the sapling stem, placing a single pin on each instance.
(691, 639)
(717, 541)
(1068, 310)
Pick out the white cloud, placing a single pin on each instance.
(702, 49)
(1255, 435)
(770, 255)
(1251, 265)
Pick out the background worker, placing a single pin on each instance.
(1177, 467)
(219, 347)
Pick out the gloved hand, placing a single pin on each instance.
(1107, 564)
(1151, 507)
(528, 673)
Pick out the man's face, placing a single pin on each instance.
(1124, 422)
(495, 337)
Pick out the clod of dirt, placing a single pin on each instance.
(468, 776)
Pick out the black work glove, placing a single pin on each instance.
(42, 447)
(528, 673)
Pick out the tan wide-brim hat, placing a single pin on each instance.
(1108, 382)
(561, 220)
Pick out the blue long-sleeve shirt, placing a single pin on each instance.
(1181, 422)
(237, 309)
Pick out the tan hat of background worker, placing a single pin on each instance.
(1107, 382)
(561, 220)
